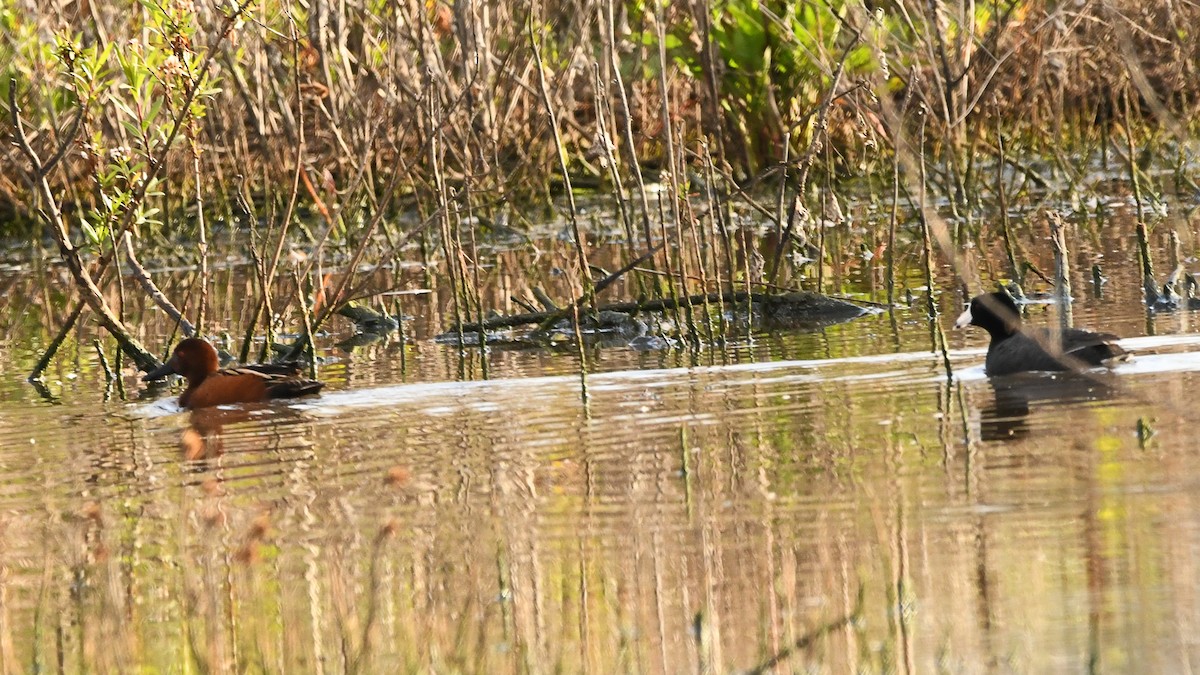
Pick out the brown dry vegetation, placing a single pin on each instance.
(355, 91)
(188, 111)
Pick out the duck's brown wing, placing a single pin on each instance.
(278, 380)
(292, 387)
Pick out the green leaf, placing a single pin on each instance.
(121, 106)
(90, 232)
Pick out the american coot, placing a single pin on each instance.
(1017, 350)
(196, 360)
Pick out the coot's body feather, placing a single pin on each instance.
(1017, 350)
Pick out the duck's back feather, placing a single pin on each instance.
(246, 384)
(286, 368)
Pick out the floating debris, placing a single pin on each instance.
(367, 320)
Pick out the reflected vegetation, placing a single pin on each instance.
(712, 518)
(708, 417)
(823, 500)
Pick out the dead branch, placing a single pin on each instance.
(58, 228)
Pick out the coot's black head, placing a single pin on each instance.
(994, 312)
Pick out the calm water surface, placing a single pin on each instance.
(824, 501)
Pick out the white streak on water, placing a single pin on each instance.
(445, 398)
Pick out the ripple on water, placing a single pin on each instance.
(756, 496)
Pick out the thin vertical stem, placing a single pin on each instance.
(478, 289)
(584, 277)
(1005, 221)
(1062, 271)
(935, 327)
(899, 147)
(1131, 165)
(627, 128)
(201, 231)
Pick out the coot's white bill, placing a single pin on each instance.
(964, 319)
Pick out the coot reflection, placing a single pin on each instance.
(1007, 418)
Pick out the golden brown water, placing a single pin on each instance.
(813, 502)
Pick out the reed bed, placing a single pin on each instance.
(359, 130)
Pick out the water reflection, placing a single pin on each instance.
(828, 515)
(203, 437)
(1007, 417)
(817, 501)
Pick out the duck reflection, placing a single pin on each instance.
(203, 439)
(1007, 418)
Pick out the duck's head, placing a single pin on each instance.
(193, 358)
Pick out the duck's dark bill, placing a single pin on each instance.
(159, 372)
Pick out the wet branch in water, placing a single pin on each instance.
(809, 305)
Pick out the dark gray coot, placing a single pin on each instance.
(1017, 350)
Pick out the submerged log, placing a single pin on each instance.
(796, 306)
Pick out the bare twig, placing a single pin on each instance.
(52, 214)
(164, 303)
